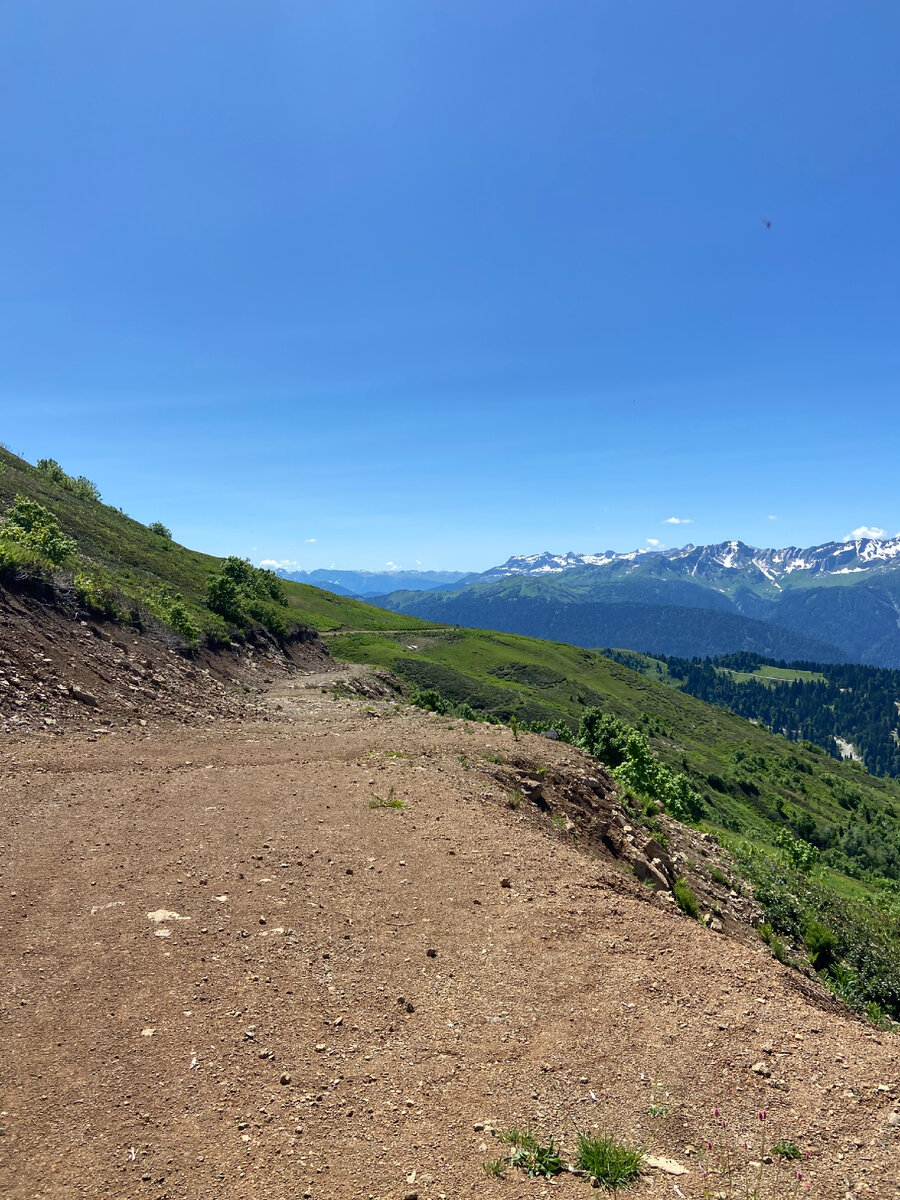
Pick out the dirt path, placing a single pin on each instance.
(225, 974)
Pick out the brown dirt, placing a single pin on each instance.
(59, 673)
(190, 915)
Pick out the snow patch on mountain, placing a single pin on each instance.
(830, 558)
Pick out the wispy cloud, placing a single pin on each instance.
(678, 521)
(655, 543)
(771, 518)
(309, 540)
(866, 531)
(286, 564)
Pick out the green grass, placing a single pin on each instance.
(388, 801)
(143, 570)
(685, 899)
(612, 1163)
(538, 1159)
(767, 674)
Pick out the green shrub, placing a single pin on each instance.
(820, 945)
(612, 1163)
(627, 753)
(241, 591)
(36, 528)
(160, 530)
(96, 594)
(80, 486)
(685, 898)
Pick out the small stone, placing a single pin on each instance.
(668, 1165)
(431, 953)
(505, 883)
(761, 1069)
(285, 1078)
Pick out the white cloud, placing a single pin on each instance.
(286, 564)
(391, 566)
(866, 531)
(771, 518)
(678, 521)
(309, 540)
(655, 543)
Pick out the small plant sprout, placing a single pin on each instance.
(495, 1167)
(530, 1154)
(389, 801)
(753, 1170)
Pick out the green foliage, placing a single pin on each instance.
(685, 899)
(96, 594)
(388, 801)
(171, 608)
(787, 1150)
(628, 754)
(80, 486)
(160, 530)
(241, 591)
(612, 1163)
(223, 596)
(801, 855)
(495, 1168)
(36, 528)
(529, 1154)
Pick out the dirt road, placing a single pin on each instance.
(226, 974)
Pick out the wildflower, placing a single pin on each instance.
(716, 1112)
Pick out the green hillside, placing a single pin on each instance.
(120, 567)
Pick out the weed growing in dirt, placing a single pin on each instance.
(757, 1171)
(530, 1155)
(388, 801)
(495, 1167)
(494, 758)
(789, 1150)
(612, 1163)
(685, 899)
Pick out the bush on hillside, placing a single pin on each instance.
(630, 759)
(36, 528)
(160, 530)
(80, 486)
(241, 591)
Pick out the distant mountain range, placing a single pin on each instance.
(373, 583)
(837, 602)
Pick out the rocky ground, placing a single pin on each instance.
(61, 670)
(328, 949)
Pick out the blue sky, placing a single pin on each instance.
(438, 282)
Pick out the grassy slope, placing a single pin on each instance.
(137, 562)
(564, 679)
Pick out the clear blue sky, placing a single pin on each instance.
(439, 281)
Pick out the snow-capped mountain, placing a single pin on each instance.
(836, 602)
(831, 558)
